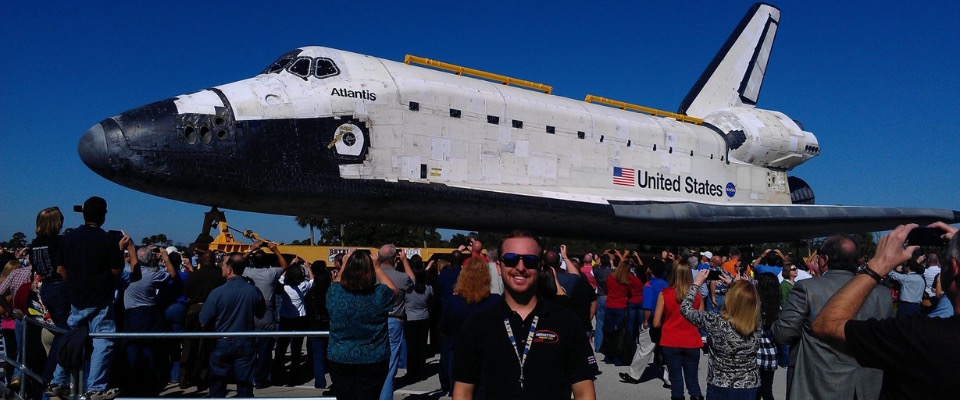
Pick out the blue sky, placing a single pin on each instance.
(877, 85)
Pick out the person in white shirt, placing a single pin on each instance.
(933, 269)
(296, 282)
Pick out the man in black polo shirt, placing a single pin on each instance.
(918, 354)
(523, 348)
(92, 259)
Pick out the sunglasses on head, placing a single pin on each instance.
(512, 259)
(793, 268)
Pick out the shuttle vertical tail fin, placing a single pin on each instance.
(736, 73)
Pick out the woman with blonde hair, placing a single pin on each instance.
(44, 253)
(44, 259)
(471, 294)
(680, 340)
(733, 335)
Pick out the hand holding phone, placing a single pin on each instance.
(926, 236)
(713, 275)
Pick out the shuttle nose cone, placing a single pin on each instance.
(93, 150)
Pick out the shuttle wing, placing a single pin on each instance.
(731, 223)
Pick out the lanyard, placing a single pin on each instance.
(526, 348)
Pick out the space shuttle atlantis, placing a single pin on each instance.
(336, 134)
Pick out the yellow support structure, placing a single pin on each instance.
(227, 242)
(633, 107)
(506, 80)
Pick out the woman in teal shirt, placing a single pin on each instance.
(359, 352)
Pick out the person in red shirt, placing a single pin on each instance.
(622, 286)
(680, 339)
(587, 270)
(635, 301)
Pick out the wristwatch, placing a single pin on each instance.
(866, 270)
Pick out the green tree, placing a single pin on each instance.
(159, 239)
(336, 232)
(312, 222)
(867, 243)
(332, 232)
(17, 241)
(458, 239)
(489, 239)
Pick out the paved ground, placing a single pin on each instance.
(608, 386)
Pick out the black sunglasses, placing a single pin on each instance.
(512, 259)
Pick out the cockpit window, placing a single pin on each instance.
(325, 68)
(282, 62)
(303, 67)
(300, 68)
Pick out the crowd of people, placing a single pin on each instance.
(769, 313)
(513, 320)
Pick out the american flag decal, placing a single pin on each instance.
(623, 176)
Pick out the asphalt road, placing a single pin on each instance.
(608, 386)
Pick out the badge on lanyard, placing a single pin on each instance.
(526, 348)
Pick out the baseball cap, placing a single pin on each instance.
(707, 254)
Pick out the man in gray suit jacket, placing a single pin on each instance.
(823, 370)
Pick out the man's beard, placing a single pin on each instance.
(520, 297)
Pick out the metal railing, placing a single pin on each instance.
(77, 386)
(22, 355)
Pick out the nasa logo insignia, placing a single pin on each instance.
(731, 189)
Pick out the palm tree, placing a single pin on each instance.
(312, 222)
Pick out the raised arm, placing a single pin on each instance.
(187, 265)
(382, 276)
(695, 316)
(568, 261)
(758, 259)
(618, 254)
(339, 273)
(476, 249)
(310, 276)
(276, 251)
(636, 256)
(406, 266)
(127, 244)
(166, 262)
